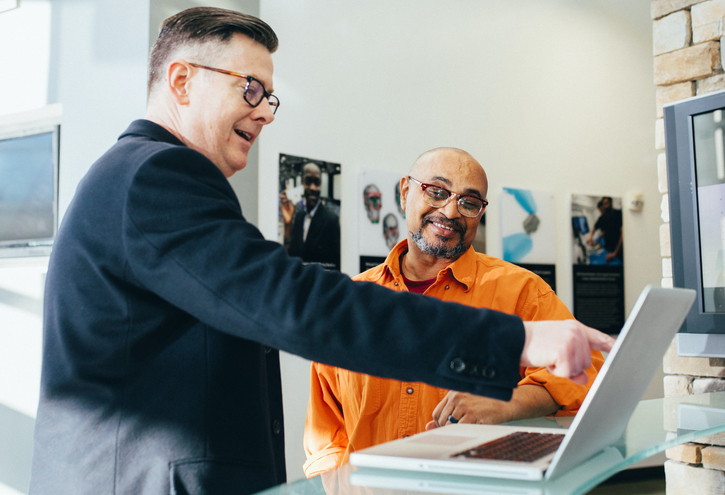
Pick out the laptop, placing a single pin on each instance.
(602, 418)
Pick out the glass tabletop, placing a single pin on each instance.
(656, 425)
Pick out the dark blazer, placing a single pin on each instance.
(322, 244)
(163, 310)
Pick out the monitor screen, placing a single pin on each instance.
(695, 153)
(710, 199)
(28, 191)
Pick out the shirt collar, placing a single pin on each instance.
(463, 270)
(314, 210)
(146, 128)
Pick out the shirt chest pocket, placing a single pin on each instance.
(360, 394)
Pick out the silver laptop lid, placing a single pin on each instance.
(625, 375)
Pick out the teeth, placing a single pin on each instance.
(245, 135)
(441, 226)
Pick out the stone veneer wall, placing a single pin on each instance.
(688, 61)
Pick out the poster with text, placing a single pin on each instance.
(598, 259)
(309, 209)
(528, 231)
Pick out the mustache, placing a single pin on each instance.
(448, 222)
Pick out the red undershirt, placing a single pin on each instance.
(418, 287)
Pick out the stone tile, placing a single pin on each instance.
(662, 173)
(707, 385)
(671, 33)
(660, 134)
(694, 366)
(665, 208)
(716, 439)
(711, 84)
(675, 92)
(677, 386)
(665, 246)
(713, 458)
(667, 267)
(695, 62)
(707, 20)
(683, 479)
(660, 8)
(690, 453)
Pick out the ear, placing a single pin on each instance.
(404, 183)
(178, 78)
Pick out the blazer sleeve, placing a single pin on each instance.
(186, 241)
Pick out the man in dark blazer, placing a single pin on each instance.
(315, 235)
(164, 307)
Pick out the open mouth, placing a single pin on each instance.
(447, 226)
(244, 135)
(444, 227)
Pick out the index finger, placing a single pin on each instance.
(437, 411)
(597, 340)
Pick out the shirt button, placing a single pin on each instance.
(458, 365)
(396, 284)
(276, 427)
(448, 287)
(410, 390)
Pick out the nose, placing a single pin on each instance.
(263, 112)
(451, 209)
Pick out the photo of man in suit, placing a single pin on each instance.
(312, 232)
(165, 308)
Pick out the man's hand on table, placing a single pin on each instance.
(528, 401)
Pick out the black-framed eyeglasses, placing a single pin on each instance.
(254, 91)
(438, 197)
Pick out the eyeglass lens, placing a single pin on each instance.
(255, 93)
(468, 206)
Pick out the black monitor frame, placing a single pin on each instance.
(684, 220)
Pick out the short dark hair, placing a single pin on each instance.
(199, 25)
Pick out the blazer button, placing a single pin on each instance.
(490, 372)
(458, 365)
(276, 427)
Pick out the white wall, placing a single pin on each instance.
(555, 96)
(24, 60)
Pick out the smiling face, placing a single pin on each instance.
(311, 181)
(442, 232)
(216, 120)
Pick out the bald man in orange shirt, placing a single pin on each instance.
(443, 197)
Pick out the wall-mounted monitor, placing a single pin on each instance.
(28, 191)
(695, 150)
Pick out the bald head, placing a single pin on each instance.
(447, 163)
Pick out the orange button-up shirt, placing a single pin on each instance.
(350, 411)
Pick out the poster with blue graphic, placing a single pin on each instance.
(528, 231)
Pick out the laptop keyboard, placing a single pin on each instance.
(519, 446)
